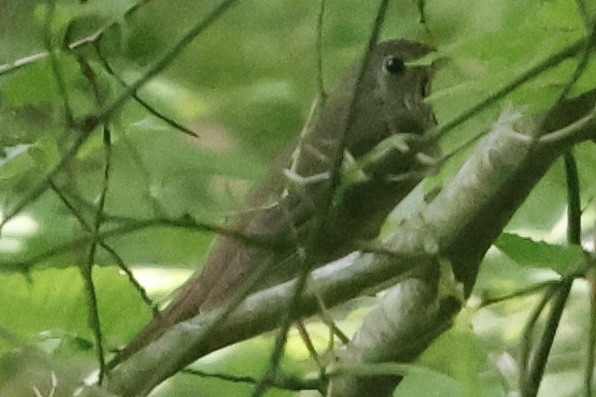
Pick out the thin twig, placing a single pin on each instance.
(322, 221)
(571, 130)
(71, 207)
(532, 289)
(111, 251)
(54, 64)
(579, 70)
(339, 158)
(431, 169)
(328, 320)
(87, 268)
(319, 53)
(540, 357)
(166, 59)
(226, 377)
(91, 77)
(573, 200)
(171, 122)
(537, 363)
(421, 5)
(136, 225)
(284, 382)
(131, 278)
(308, 343)
(158, 208)
(528, 336)
(92, 38)
(44, 184)
(372, 370)
(524, 77)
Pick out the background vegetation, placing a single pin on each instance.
(244, 87)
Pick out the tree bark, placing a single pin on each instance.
(455, 229)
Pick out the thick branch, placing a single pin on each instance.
(457, 227)
(335, 283)
(464, 220)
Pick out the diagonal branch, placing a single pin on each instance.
(457, 227)
(463, 220)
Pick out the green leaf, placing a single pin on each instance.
(527, 252)
(460, 354)
(31, 86)
(51, 303)
(429, 383)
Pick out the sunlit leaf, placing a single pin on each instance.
(527, 252)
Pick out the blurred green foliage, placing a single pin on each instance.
(244, 86)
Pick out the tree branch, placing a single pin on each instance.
(464, 220)
(457, 228)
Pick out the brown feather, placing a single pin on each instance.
(388, 104)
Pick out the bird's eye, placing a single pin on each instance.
(395, 65)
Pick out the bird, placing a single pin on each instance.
(390, 102)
